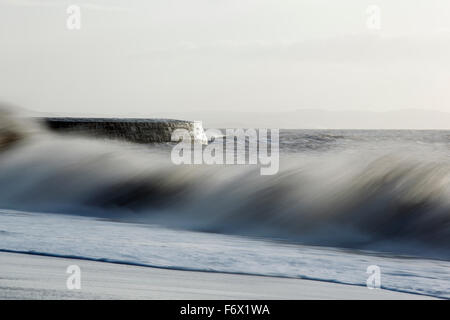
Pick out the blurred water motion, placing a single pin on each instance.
(360, 189)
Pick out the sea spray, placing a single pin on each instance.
(348, 189)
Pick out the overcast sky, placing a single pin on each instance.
(152, 56)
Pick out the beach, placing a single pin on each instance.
(24, 276)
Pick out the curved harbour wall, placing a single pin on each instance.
(137, 130)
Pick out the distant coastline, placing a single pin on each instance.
(406, 119)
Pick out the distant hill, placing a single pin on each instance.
(322, 119)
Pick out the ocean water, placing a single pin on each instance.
(342, 201)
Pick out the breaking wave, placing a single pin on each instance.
(363, 197)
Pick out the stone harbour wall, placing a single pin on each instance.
(135, 130)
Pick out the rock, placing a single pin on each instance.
(137, 130)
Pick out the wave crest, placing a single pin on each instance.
(369, 200)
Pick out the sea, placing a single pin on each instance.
(342, 201)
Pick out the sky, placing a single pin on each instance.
(155, 56)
